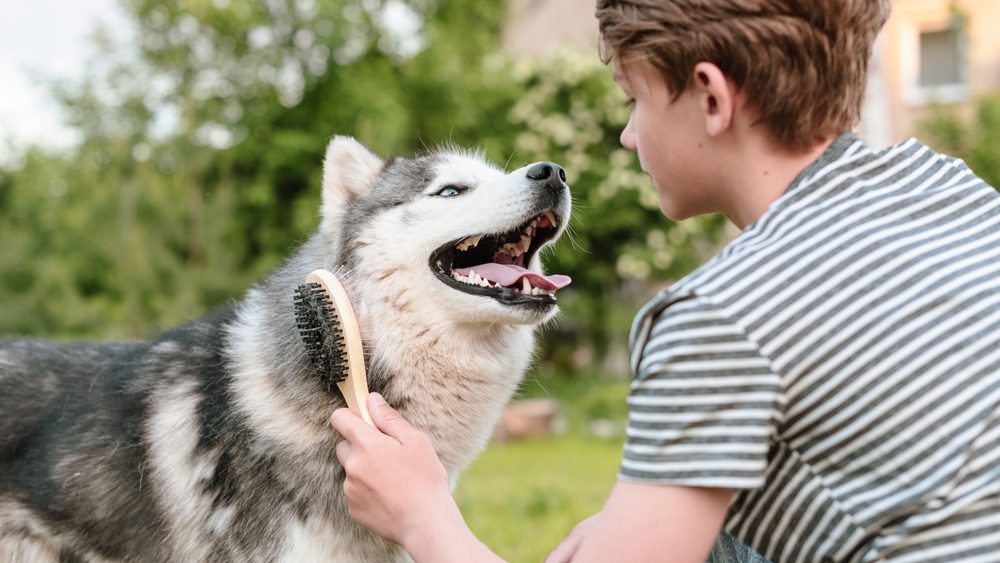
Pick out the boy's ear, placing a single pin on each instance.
(716, 97)
(349, 170)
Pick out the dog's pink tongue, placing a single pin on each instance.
(509, 275)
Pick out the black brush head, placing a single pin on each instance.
(319, 326)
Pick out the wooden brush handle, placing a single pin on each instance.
(354, 387)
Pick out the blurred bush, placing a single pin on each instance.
(972, 134)
(201, 158)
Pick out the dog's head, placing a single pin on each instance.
(446, 229)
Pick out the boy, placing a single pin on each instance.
(827, 387)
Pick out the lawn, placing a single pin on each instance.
(523, 497)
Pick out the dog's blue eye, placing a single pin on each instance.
(450, 191)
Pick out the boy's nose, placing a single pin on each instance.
(549, 172)
(627, 138)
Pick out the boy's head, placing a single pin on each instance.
(801, 64)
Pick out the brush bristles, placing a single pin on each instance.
(319, 326)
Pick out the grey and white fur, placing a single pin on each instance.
(212, 443)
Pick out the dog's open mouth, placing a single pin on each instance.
(496, 265)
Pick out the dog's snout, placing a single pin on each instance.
(548, 172)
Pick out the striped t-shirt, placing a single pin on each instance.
(839, 365)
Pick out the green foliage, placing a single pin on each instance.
(146, 224)
(96, 246)
(975, 139)
(201, 162)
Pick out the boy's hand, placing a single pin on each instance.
(564, 552)
(395, 485)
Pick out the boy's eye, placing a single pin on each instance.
(451, 190)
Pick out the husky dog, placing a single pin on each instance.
(211, 442)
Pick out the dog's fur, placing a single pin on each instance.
(212, 442)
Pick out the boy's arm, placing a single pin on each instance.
(396, 487)
(650, 522)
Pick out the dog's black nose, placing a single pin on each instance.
(550, 172)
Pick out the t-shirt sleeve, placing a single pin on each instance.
(704, 402)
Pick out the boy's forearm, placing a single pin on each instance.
(643, 522)
(446, 538)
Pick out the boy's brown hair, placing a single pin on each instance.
(802, 63)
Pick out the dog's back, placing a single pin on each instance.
(74, 447)
(69, 459)
(139, 452)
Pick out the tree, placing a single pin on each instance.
(201, 161)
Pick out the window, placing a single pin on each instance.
(940, 58)
(933, 61)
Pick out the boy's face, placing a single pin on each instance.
(670, 138)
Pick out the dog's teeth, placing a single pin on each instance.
(551, 217)
(525, 243)
(469, 242)
(526, 286)
(512, 249)
(475, 279)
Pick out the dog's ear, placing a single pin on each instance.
(349, 170)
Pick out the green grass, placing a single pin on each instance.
(522, 498)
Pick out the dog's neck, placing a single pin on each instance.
(448, 378)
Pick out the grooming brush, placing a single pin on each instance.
(329, 330)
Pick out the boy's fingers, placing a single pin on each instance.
(564, 552)
(343, 450)
(350, 425)
(561, 554)
(388, 419)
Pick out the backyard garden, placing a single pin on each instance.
(199, 166)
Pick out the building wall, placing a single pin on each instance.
(905, 100)
(536, 27)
